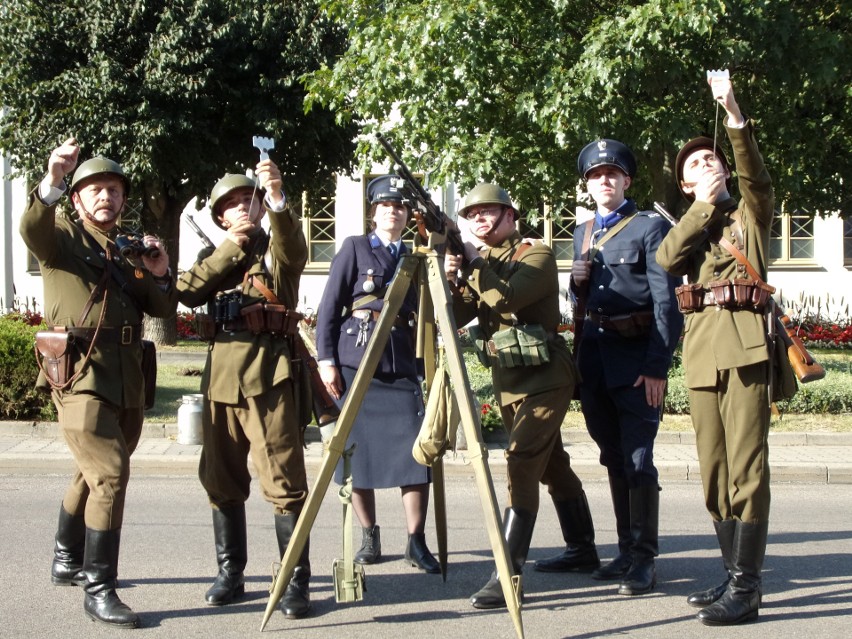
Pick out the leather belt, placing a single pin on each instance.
(122, 335)
(621, 322)
(399, 321)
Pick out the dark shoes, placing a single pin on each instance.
(229, 531)
(490, 596)
(371, 546)
(640, 578)
(67, 567)
(615, 569)
(418, 555)
(296, 601)
(725, 530)
(580, 554)
(100, 567)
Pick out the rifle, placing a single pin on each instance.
(324, 409)
(429, 216)
(209, 247)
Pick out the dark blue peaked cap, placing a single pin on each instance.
(383, 189)
(606, 152)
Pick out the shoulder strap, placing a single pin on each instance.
(615, 230)
(742, 259)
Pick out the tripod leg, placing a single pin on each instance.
(478, 451)
(337, 443)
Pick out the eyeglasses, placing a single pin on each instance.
(493, 211)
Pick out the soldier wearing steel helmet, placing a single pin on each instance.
(510, 285)
(725, 354)
(630, 331)
(252, 390)
(97, 298)
(392, 411)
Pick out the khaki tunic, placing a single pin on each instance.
(251, 397)
(101, 412)
(725, 351)
(533, 399)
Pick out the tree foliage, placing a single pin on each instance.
(172, 89)
(511, 90)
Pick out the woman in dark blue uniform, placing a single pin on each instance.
(392, 411)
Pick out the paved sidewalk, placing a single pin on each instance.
(824, 458)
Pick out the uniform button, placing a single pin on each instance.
(349, 331)
(601, 287)
(600, 330)
(417, 393)
(715, 273)
(370, 271)
(621, 260)
(600, 310)
(420, 413)
(703, 215)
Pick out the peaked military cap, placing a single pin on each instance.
(606, 152)
(384, 188)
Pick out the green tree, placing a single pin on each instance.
(172, 89)
(511, 90)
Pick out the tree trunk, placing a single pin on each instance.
(161, 217)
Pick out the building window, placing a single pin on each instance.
(792, 238)
(318, 224)
(847, 241)
(554, 228)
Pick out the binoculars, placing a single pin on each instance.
(227, 306)
(132, 245)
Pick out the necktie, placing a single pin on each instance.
(393, 249)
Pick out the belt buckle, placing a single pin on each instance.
(126, 335)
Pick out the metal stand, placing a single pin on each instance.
(435, 302)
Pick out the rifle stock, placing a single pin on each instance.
(433, 218)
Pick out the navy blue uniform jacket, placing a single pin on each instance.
(337, 330)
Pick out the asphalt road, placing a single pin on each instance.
(167, 563)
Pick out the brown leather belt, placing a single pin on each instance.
(622, 323)
(122, 335)
(399, 321)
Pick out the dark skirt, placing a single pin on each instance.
(384, 431)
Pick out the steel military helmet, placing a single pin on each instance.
(98, 166)
(231, 182)
(606, 152)
(486, 193)
(384, 188)
(701, 142)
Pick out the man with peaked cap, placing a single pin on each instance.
(630, 331)
(511, 286)
(97, 297)
(390, 416)
(725, 352)
(253, 389)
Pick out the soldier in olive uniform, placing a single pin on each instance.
(251, 385)
(99, 297)
(630, 331)
(725, 353)
(512, 282)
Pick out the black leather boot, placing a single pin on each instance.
(644, 533)
(742, 598)
(229, 532)
(618, 567)
(296, 601)
(67, 568)
(419, 556)
(517, 531)
(371, 546)
(725, 534)
(578, 531)
(100, 566)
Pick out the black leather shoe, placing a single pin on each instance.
(229, 532)
(371, 546)
(67, 567)
(571, 560)
(100, 565)
(704, 598)
(419, 556)
(641, 578)
(733, 607)
(225, 589)
(615, 569)
(490, 596)
(296, 602)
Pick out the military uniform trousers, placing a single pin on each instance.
(731, 424)
(267, 427)
(535, 452)
(101, 438)
(620, 420)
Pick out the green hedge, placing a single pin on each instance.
(18, 372)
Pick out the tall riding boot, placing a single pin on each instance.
(296, 601)
(644, 532)
(371, 546)
(741, 600)
(517, 531)
(67, 568)
(618, 567)
(580, 554)
(229, 532)
(725, 534)
(100, 566)
(417, 553)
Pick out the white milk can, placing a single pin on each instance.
(189, 419)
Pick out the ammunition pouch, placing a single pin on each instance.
(520, 345)
(263, 317)
(736, 294)
(690, 297)
(56, 347)
(205, 326)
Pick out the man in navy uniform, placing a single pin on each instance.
(631, 329)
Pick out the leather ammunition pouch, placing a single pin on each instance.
(205, 326)
(690, 297)
(736, 294)
(264, 317)
(56, 347)
(520, 345)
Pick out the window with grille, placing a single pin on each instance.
(318, 224)
(792, 238)
(556, 228)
